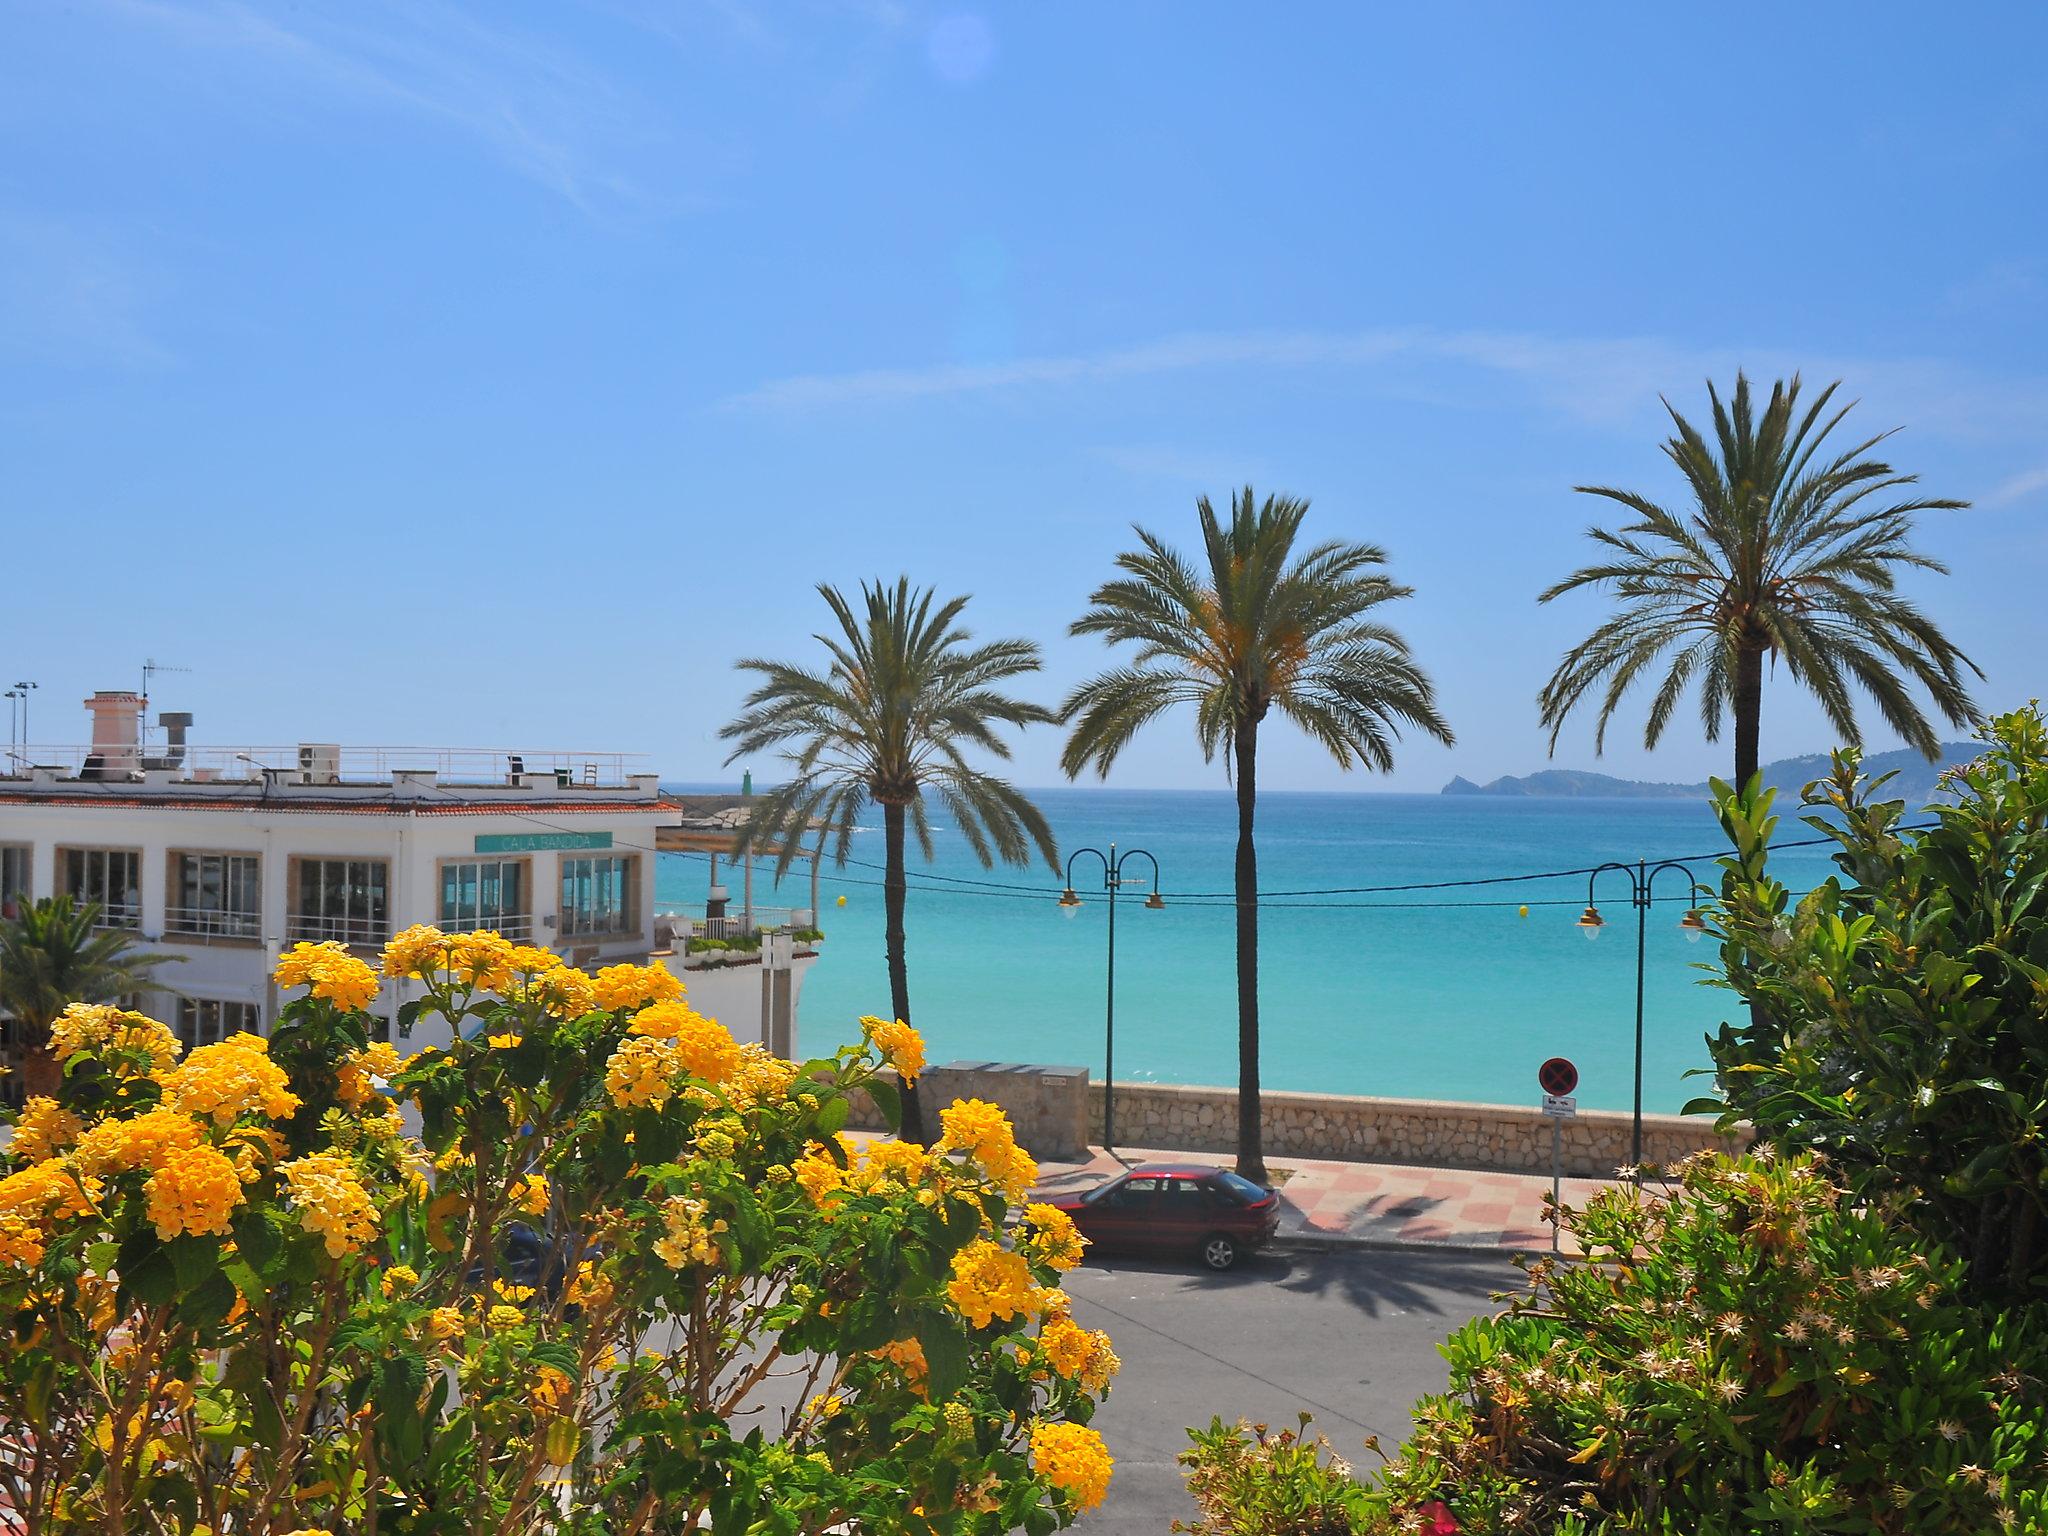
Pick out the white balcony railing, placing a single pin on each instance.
(211, 923)
(518, 929)
(310, 928)
(117, 914)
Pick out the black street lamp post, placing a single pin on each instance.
(1112, 878)
(1641, 877)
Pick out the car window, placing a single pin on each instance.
(1132, 1193)
(1244, 1189)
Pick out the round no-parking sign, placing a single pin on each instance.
(1557, 1076)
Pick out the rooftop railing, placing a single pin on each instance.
(321, 763)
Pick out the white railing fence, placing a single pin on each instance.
(211, 923)
(344, 764)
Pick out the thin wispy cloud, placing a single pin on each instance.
(1603, 380)
(2020, 487)
(534, 107)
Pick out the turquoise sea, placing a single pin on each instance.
(1450, 993)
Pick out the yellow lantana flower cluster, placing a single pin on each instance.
(44, 1127)
(561, 989)
(642, 1072)
(1074, 1460)
(982, 1131)
(763, 1078)
(818, 1174)
(399, 1277)
(225, 1081)
(121, 1146)
(530, 1193)
(885, 1165)
(356, 1081)
(704, 1046)
(1078, 1353)
(330, 972)
(908, 1356)
(47, 1191)
(901, 1046)
(193, 1190)
(634, 986)
(331, 1201)
(1051, 1234)
(89, 1028)
(21, 1242)
(689, 1239)
(420, 950)
(991, 1282)
(483, 959)
(31, 1199)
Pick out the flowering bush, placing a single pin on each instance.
(625, 1276)
(1748, 1353)
(1901, 1019)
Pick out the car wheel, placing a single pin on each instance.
(1219, 1251)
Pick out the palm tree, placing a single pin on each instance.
(54, 954)
(894, 716)
(1256, 628)
(1783, 554)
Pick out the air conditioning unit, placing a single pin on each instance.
(319, 762)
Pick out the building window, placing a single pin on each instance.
(201, 1021)
(345, 899)
(14, 882)
(597, 896)
(486, 893)
(216, 896)
(111, 877)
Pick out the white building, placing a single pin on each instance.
(226, 856)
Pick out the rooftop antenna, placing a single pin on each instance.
(151, 666)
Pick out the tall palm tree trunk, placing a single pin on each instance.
(1748, 708)
(894, 888)
(1251, 1157)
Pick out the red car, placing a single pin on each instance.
(1177, 1208)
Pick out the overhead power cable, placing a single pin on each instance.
(1279, 899)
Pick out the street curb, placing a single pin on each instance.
(1338, 1242)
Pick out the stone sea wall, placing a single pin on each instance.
(1435, 1133)
(1048, 1106)
(1058, 1113)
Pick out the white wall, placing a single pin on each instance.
(412, 844)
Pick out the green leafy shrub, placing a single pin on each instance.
(1747, 1352)
(1250, 1482)
(1901, 1018)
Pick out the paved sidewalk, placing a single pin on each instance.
(1371, 1204)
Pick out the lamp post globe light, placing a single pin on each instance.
(1642, 878)
(1113, 879)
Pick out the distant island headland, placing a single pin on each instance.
(1916, 778)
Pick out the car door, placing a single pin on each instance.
(1123, 1216)
(1182, 1217)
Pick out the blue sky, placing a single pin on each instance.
(497, 375)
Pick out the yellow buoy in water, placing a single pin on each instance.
(1523, 913)
(842, 902)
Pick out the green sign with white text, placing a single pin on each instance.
(539, 842)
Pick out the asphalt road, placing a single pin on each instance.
(1348, 1336)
